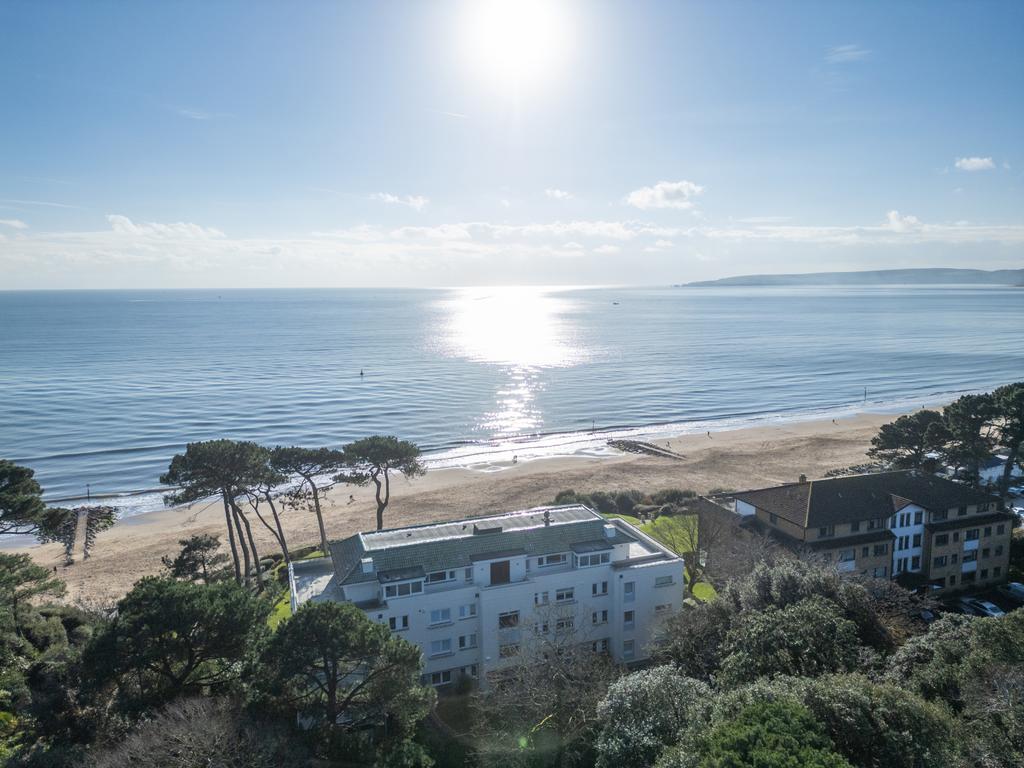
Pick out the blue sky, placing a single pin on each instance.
(261, 144)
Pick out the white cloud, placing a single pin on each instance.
(122, 225)
(558, 194)
(607, 249)
(505, 203)
(659, 246)
(665, 194)
(975, 163)
(572, 246)
(841, 54)
(14, 223)
(899, 223)
(44, 203)
(195, 114)
(416, 202)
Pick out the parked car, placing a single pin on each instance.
(928, 616)
(981, 607)
(1013, 591)
(964, 605)
(1017, 490)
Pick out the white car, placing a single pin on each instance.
(1017, 490)
(982, 607)
(1014, 591)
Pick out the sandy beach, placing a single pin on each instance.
(743, 458)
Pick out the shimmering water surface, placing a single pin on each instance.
(102, 388)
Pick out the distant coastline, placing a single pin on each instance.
(932, 276)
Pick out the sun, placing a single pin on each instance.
(514, 44)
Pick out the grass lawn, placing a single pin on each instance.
(674, 533)
(283, 607)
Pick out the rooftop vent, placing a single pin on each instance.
(367, 564)
(479, 530)
(803, 478)
(609, 531)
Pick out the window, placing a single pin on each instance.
(599, 617)
(988, 530)
(599, 589)
(880, 572)
(986, 552)
(997, 572)
(599, 646)
(961, 511)
(628, 649)
(847, 555)
(917, 540)
(881, 549)
(629, 591)
(901, 565)
(951, 581)
(543, 562)
(939, 562)
(953, 558)
(1000, 529)
(855, 526)
(469, 575)
(541, 629)
(441, 678)
(663, 608)
(467, 641)
(508, 619)
(565, 595)
(398, 623)
(956, 535)
(441, 647)
(467, 611)
(508, 650)
(438, 576)
(903, 543)
(971, 557)
(865, 551)
(999, 551)
(875, 524)
(972, 535)
(826, 530)
(918, 517)
(984, 573)
(500, 572)
(566, 624)
(664, 581)
(942, 540)
(441, 616)
(938, 517)
(915, 563)
(629, 619)
(540, 598)
(403, 590)
(600, 558)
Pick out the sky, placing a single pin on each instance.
(483, 142)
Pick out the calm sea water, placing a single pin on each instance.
(102, 388)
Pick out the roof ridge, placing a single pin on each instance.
(513, 513)
(807, 509)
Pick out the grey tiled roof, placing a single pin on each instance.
(860, 497)
(455, 545)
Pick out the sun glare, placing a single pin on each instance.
(515, 43)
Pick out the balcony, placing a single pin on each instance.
(970, 567)
(970, 546)
(846, 566)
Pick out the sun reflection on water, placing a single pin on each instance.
(523, 330)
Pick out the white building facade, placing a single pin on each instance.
(476, 594)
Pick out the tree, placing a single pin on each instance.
(372, 459)
(226, 468)
(21, 499)
(264, 491)
(21, 580)
(312, 466)
(1009, 409)
(203, 732)
(335, 668)
(806, 639)
(902, 444)
(966, 433)
(643, 713)
(779, 734)
(175, 638)
(199, 559)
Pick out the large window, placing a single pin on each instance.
(439, 576)
(398, 623)
(467, 641)
(599, 617)
(441, 616)
(403, 590)
(628, 619)
(600, 558)
(441, 647)
(467, 611)
(508, 619)
(599, 589)
(501, 572)
(565, 595)
(544, 562)
(972, 535)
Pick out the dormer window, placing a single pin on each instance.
(547, 560)
(439, 576)
(404, 589)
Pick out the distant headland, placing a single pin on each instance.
(1014, 277)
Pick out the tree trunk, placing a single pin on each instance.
(231, 539)
(319, 516)
(382, 503)
(280, 530)
(252, 544)
(241, 543)
(277, 534)
(1011, 460)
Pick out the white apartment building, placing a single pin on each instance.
(474, 594)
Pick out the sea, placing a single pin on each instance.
(99, 389)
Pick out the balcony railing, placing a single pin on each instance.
(970, 567)
(970, 546)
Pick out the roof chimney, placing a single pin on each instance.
(547, 517)
(367, 564)
(803, 478)
(609, 531)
